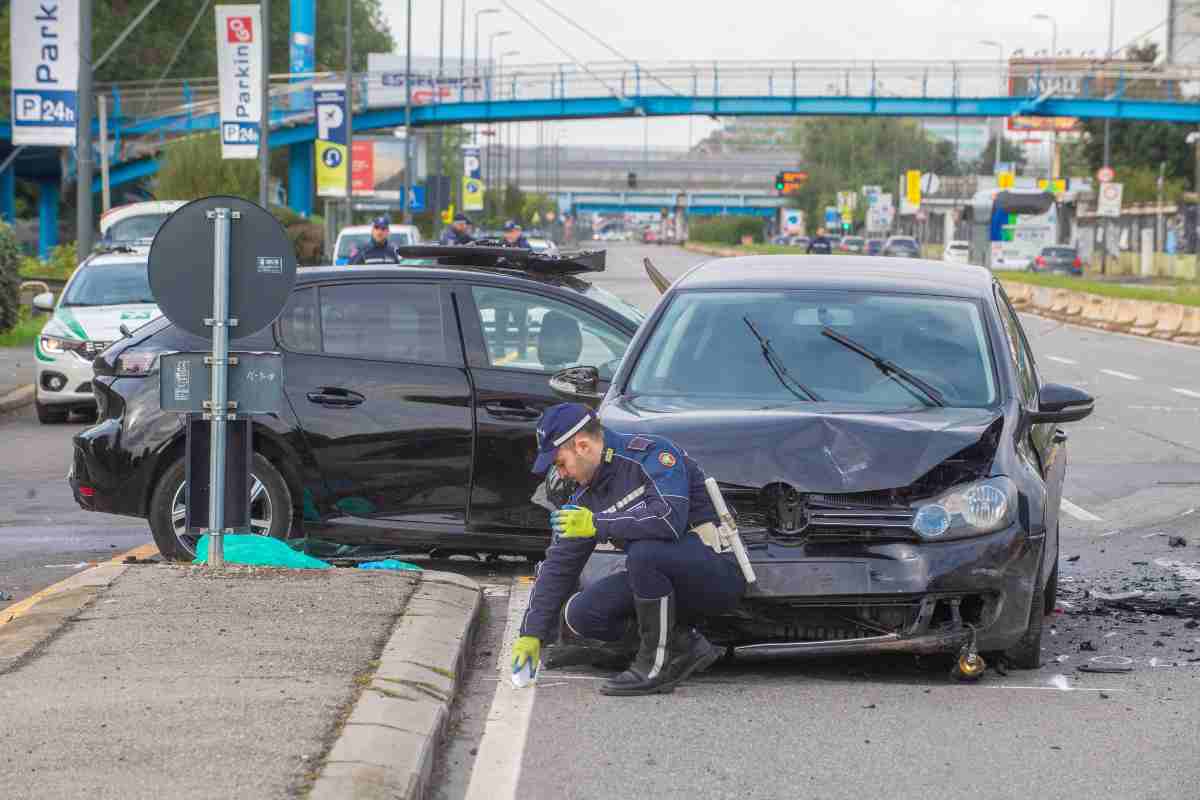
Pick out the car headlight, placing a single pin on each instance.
(969, 510)
(56, 344)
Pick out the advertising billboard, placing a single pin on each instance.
(45, 72)
(385, 80)
(239, 72)
(330, 106)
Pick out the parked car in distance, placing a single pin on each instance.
(902, 247)
(412, 399)
(135, 224)
(799, 241)
(874, 247)
(882, 432)
(957, 251)
(354, 237)
(108, 291)
(852, 245)
(1058, 258)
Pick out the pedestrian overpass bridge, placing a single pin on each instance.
(147, 115)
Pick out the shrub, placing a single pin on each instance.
(10, 281)
(725, 230)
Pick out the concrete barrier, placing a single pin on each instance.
(1124, 313)
(1021, 294)
(1058, 305)
(1170, 320)
(1075, 303)
(1189, 330)
(1097, 309)
(1147, 318)
(1042, 297)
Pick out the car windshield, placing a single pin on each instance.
(351, 242)
(133, 229)
(109, 285)
(1059, 252)
(702, 348)
(611, 301)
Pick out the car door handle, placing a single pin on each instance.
(335, 397)
(1060, 436)
(507, 409)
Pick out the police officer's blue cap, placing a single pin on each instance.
(512, 226)
(462, 218)
(381, 222)
(556, 427)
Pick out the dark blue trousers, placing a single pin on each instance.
(704, 584)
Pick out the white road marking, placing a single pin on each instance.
(1078, 513)
(1186, 392)
(497, 768)
(1123, 375)
(1062, 360)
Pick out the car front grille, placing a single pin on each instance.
(786, 514)
(93, 349)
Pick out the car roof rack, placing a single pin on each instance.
(572, 262)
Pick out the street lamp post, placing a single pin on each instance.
(489, 167)
(505, 155)
(478, 14)
(1000, 130)
(1053, 172)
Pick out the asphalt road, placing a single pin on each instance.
(44, 535)
(875, 727)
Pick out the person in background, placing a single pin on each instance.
(379, 250)
(514, 237)
(820, 244)
(457, 232)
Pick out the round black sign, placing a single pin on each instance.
(262, 266)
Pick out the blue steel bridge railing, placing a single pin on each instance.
(161, 109)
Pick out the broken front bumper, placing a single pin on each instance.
(842, 598)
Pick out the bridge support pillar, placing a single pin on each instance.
(300, 177)
(48, 195)
(8, 194)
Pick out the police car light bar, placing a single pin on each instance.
(565, 263)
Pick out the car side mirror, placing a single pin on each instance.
(44, 302)
(577, 384)
(1058, 404)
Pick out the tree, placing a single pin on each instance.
(192, 167)
(1010, 153)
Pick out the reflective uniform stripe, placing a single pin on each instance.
(660, 654)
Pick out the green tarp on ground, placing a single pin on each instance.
(259, 551)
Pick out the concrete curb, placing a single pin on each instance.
(1166, 321)
(388, 744)
(26, 625)
(18, 398)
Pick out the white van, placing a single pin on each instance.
(355, 237)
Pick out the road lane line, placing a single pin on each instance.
(497, 768)
(21, 608)
(1078, 513)
(1062, 360)
(1124, 375)
(1186, 392)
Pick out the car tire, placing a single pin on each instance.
(162, 517)
(50, 415)
(1027, 653)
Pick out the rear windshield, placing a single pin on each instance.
(902, 240)
(1059, 252)
(109, 285)
(703, 348)
(133, 229)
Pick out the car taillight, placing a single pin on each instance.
(1041, 262)
(1077, 263)
(136, 364)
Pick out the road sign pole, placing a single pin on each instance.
(222, 218)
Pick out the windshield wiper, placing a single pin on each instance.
(928, 394)
(777, 366)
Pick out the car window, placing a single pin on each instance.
(389, 321)
(523, 330)
(144, 226)
(110, 285)
(1019, 352)
(702, 348)
(299, 327)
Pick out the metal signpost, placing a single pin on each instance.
(253, 271)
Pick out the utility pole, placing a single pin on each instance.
(349, 117)
(83, 150)
(1112, 11)
(406, 200)
(436, 201)
(264, 128)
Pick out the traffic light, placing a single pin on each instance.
(631, 179)
(779, 182)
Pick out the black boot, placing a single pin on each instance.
(667, 655)
(573, 650)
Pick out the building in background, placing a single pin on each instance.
(970, 137)
(1183, 32)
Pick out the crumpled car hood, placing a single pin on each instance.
(814, 451)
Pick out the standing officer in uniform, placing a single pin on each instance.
(379, 250)
(820, 244)
(514, 237)
(457, 232)
(647, 497)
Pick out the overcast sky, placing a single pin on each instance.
(685, 30)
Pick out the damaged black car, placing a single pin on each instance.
(893, 459)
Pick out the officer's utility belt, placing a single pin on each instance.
(707, 532)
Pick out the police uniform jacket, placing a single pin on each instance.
(451, 236)
(376, 254)
(645, 488)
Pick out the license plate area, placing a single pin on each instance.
(810, 578)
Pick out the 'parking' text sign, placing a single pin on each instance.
(45, 71)
(239, 69)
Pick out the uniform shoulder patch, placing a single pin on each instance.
(639, 443)
(667, 459)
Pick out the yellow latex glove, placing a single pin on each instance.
(573, 522)
(527, 649)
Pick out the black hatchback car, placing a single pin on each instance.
(881, 431)
(412, 396)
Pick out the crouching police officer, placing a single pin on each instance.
(647, 497)
(379, 250)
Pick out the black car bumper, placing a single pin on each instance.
(852, 597)
(108, 474)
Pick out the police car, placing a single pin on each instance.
(108, 291)
(135, 224)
